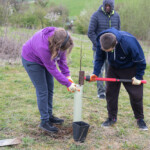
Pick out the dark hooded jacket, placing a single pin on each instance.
(127, 53)
(101, 20)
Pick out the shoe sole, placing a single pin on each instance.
(144, 129)
(102, 98)
(108, 126)
(47, 130)
(58, 123)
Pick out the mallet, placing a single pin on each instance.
(87, 78)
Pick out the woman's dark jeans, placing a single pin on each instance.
(44, 85)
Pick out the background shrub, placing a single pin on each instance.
(135, 17)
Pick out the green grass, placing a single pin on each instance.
(19, 115)
(76, 6)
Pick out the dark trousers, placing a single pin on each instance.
(44, 84)
(101, 86)
(135, 92)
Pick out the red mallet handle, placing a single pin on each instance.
(87, 78)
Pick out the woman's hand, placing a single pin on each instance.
(72, 88)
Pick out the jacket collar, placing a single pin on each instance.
(111, 13)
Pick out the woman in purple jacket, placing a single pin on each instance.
(39, 57)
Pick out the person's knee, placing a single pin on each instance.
(42, 93)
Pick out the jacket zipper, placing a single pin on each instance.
(109, 21)
(114, 54)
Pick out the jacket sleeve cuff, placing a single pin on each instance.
(95, 73)
(139, 77)
(69, 83)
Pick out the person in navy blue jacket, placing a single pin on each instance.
(104, 18)
(126, 61)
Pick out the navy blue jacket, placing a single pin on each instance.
(101, 21)
(127, 53)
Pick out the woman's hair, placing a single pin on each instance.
(107, 41)
(60, 41)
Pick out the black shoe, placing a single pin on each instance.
(46, 126)
(102, 96)
(56, 120)
(141, 124)
(109, 122)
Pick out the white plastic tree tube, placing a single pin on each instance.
(77, 116)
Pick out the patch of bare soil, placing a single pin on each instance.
(65, 132)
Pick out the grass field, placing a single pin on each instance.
(19, 115)
(76, 6)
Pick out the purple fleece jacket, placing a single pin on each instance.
(36, 49)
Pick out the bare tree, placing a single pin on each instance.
(17, 5)
(4, 11)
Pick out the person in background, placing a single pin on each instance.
(105, 17)
(126, 61)
(40, 54)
